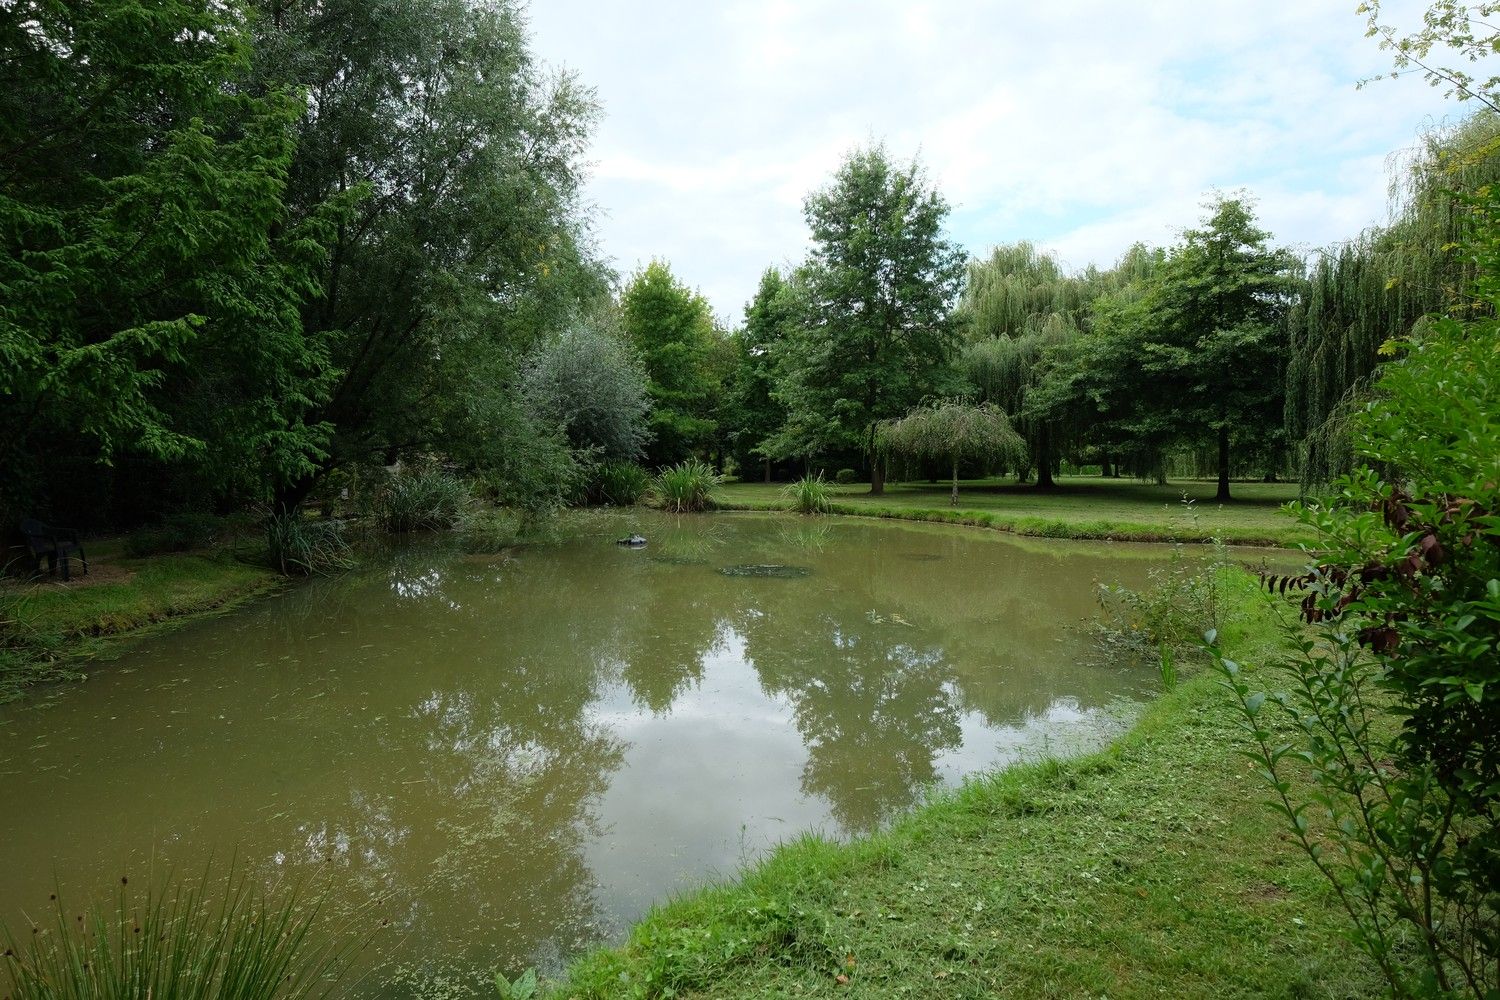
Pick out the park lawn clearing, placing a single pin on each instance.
(1152, 868)
(1079, 507)
(57, 625)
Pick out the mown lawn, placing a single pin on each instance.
(1079, 507)
(1152, 869)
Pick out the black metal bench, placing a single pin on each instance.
(55, 544)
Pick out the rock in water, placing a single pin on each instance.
(634, 541)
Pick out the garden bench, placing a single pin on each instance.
(53, 543)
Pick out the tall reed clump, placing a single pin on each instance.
(686, 487)
(296, 546)
(619, 484)
(426, 500)
(186, 942)
(809, 495)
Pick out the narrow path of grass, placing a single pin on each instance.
(52, 627)
(1150, 869)
(1080, 507)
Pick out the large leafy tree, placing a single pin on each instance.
(1195, 354)
(1018, 306)
(756, 412)
(881, 282)
(150, 279)
(453, 161)
(672, 330)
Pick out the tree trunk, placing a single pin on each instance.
(1043, 460)
(1223, 493)
(288, 499)
(877, 470)
(1104, 472)
(768, 470)
(954, 500)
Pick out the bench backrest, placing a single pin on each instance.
(38, 535)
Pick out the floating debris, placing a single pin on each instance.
(776, 570)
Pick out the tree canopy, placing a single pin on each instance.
(878, 333)
(952, 431)
(671, 328)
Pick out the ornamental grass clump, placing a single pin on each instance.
(686, 487)
(426, 500)
(182, 942)
(297, 546)
(809, 495)
(619, 484)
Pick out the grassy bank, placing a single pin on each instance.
(1149, 869)
(53, 628)
(1080, 507)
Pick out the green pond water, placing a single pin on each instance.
(518, 754)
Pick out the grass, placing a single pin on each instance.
(185, 941)
(54, 626)
(1080, 507)
(1150, 869)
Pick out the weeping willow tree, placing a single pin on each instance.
(1020, 311)
(1380, 285)
(952, 431)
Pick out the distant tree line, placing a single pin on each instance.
(1221, 355)
(251, 247)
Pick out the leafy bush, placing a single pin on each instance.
(177, 533)
(809, 495)
(619, 484)
(425, 500)
(299, 547)
(185, 943)
(846, 477)
(687, 486)
(1180, 602)
(1395, 693)
(588, 383)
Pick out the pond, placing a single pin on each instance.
(518, 754)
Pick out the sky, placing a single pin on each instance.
(1082, 126)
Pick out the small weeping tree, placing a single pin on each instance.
(952, 431)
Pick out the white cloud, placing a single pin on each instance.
(1082, 125)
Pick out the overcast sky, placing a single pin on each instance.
(1083, 126)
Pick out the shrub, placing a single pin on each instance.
(1395, 693)
(588, 383)
(809, 495)
(426, 500)
(619, 484)
(298, 547)
(177, 533)
(186, 943)
(1178, 604)
(687, 486)
(846, 477)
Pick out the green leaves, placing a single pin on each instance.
(524, 987)
(880, 281)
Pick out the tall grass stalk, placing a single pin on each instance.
(299, 547)
(809, 495)
(428, 500)
(686, 487)
(620, 484)
(182, 942)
